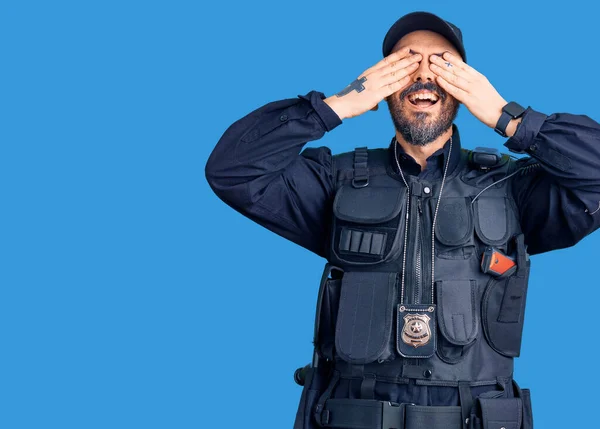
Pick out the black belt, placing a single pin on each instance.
(371, 414)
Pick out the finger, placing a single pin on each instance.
(454, 91)
(449, 66)
(455, 59)
(450, 77)
(404, 63)
(393, 57)
(397, 74)
(396, 86)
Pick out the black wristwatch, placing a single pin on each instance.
(509, 112)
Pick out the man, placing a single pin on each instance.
(421, 306)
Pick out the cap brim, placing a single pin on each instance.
(421, 21)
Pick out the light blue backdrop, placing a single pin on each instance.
(131, 297)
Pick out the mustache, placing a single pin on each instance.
(428, 86)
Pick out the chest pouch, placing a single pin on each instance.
(365, 317)
(367, 224)
(492, 220)
(454, 228)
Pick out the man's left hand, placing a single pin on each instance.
(469, 87)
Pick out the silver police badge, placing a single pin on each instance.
(416, 331)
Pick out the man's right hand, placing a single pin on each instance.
(376, 83)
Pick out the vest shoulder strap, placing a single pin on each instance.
(361, 167)
(360, 164)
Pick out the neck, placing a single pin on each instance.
(421, 153)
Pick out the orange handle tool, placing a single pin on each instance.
(496, 263)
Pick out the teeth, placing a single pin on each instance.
(423, 96)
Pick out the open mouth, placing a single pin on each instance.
(423, 99)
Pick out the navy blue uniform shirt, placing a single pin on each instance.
(258, 168)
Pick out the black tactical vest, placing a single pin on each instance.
(463, 326)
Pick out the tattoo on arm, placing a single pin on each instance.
(356, 85)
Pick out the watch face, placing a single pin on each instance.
(514, 109)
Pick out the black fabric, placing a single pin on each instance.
(500, 413)
(370, 414)
(363, 242)
(491, 220)
(454, 222)
(364, 322)
(466, 400)
(423, 21)
(352, 414)
(511, 309)
(457, 310)
(525, 396)
(361, 169)
(527, 411)
(320, 414)
(370, 205)
(423, 417)
(417, 371)
(328, 311)
(367, 387)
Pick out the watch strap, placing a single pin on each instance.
(502, 123)
(510, 111)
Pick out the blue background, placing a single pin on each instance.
(131, 297)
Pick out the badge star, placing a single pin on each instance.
(417, 327)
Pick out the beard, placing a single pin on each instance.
(421, 128)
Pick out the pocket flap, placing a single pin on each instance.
(457, 307)
(501, 413)
(364, 322)
(454, 223)
(492, 220)
(368, 205)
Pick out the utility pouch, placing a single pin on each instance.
(497, 413)
(327, 311)
(458, 318)
(416, 330)
(454, 228)
(503, 306)
(525, 396)
(366, 223)
(364, 322)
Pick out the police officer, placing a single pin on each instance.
(420, 309)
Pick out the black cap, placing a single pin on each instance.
(423, 21)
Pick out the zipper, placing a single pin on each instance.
(418, 255)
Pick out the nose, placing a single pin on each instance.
(423, 73)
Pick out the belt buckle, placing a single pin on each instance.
(392, 415)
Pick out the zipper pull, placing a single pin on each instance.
(419, 206)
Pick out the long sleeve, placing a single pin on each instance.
(559, 202)
(259, 169)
